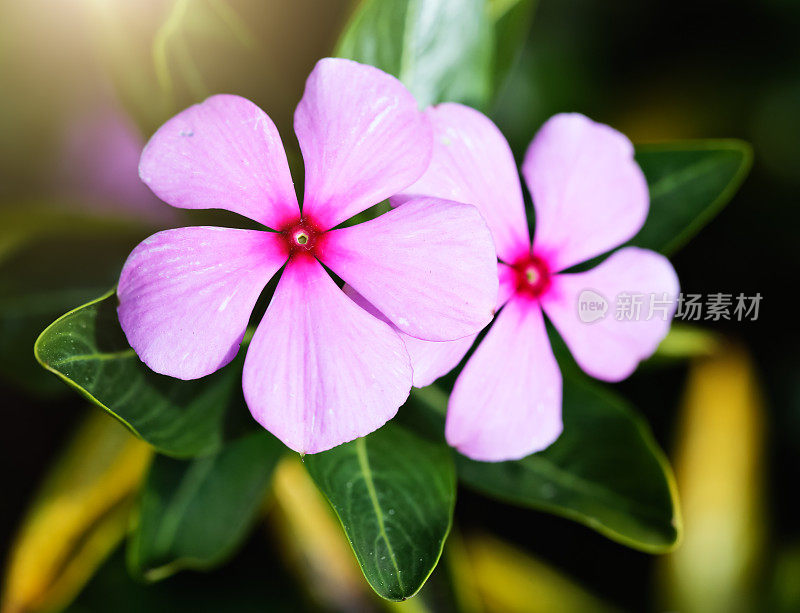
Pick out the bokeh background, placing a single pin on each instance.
(83, 83)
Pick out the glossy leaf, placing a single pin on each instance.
(690, 182)
(195, 513)
(605, 471)
(80, 514)
(87, 349)
(440, 49)
(394, 494)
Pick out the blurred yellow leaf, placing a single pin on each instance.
(465, 591)
(718, 465)
(509, 580)
(77, 518)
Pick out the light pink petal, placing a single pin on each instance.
(589, 194)
(609, 348)
(429, 266)
(186, 295)
(508, 283)
(429, 359)
(320, 370)
(473, 163)
(362, 137)
(224, 153)
(506, 403)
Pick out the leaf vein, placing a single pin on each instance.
(363, 462)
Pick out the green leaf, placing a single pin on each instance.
(605, 471)
(87, 349)
(195, 513)
(440, 49)
(394, 494)
(512, 21)
(690, 182)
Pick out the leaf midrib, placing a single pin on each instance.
(114, 355)
(363, 462)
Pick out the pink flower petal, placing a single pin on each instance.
(589, 194)
(320, 370)
(224, 153)
(473, 163)
(508, 283)
(186, 295)
(433, 359)
(608, 348)
(506, 403)
(429, 359)
(429, 266)
(362, 137)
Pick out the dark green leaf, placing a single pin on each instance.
(87, 349)
(689, 183)
(605, 471)
(394, 494)
(440, 49)
(195, 513)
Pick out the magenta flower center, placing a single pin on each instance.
(533, 276)
(302, 236)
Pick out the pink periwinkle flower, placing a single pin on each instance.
(320, 370)
(589, 197)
